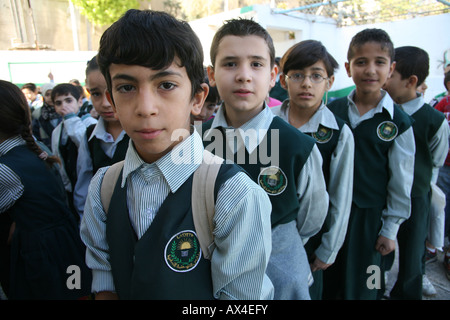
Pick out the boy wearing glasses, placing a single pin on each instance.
(243, 69)
(308, 73)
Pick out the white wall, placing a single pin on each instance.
(428, 33)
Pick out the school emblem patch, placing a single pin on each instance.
(182, 252)
(387, 131)
(272, 180)
(323, 134)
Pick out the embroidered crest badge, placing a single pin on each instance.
(323, 134)
(272, 180)
(182, 252)
(387, 131)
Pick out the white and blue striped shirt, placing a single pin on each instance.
(11, 187)
(242, 221)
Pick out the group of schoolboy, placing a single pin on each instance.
(308, 197)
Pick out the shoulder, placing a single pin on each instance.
(337, 102)
(289, 136)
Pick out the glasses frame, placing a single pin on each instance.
(309, 76)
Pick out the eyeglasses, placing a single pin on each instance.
(300, 77)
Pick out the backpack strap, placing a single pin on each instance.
(203, 203)
(109, 183)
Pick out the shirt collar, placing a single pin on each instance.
(413, 105)
(323, 116)
(251, 133)
(10, 143)
(100, 132)
(176, 166)
(386, 102)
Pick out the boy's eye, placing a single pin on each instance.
(167, 86)
(125, 88)
(257, 64)
(316, 77)
(211, 106)
(229, 64)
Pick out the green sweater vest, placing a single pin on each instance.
(427, 122)
(280, 180)
(373, 139)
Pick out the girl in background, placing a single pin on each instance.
(43, 243)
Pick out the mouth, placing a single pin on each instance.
(242, 92)
(305, 95)
(108, 114)
(149, 133)
(370, 81)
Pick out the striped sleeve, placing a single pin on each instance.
(11, 188)
(243, 241)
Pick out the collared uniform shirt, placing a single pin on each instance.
(340, 186)
(84, 160)
(242, 221)
(74, 127)
(439, 143)
(311, 188)
(401, 165)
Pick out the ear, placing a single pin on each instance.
(273, 76)
(347, 68)
(330, 82)
(283, 82)
(391, 69)
(111, 102)
(412, 81)
(199, 100)
(211, 76)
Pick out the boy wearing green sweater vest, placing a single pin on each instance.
(384, 167)
(431, 136)
(146, 245)
(285, 162)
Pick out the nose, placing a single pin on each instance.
(307, 81)
(243, 74)
(146, 104)
(371, 68)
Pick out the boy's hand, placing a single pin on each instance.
(384, 245)
(318, 265)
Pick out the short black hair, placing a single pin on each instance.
(63, 89)
(305, 54)
(412, 61)
(241, 27)
(30, 86)
(151, 39)
(371, 35)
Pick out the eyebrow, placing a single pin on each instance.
(161, 74)
(237, 58)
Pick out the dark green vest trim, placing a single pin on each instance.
(279, 180)
(99, 157)
(373, 139)
(165, 263)
(427, 122)
(327, 140)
